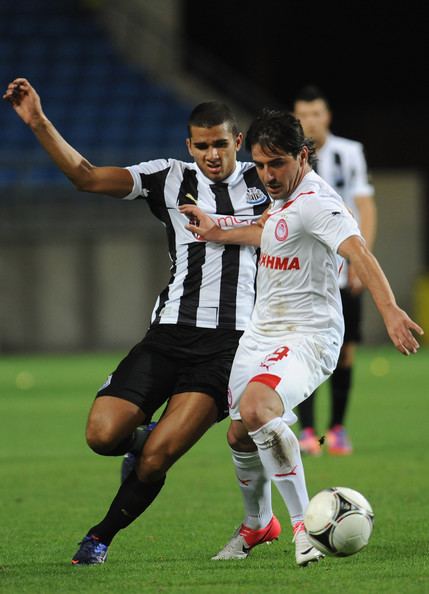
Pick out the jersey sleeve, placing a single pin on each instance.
(327, 219)
(144, 175)
(359, 184)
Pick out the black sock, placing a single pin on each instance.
(306, 411)
(131, 500)
(341, 381)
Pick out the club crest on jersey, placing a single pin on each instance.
(255, 196)
(281, 231)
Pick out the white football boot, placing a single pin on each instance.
(244, 539)
(305, 553)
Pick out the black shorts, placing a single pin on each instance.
(173, 359)
(352, 311)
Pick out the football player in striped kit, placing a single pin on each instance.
(340, 162)
(185, 358)
(293, 341)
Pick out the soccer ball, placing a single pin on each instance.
(339, 521)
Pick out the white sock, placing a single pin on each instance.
(278, 449)
(255, 488)
(293, 489)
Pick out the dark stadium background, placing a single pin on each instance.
(119, 79)
(370, 58)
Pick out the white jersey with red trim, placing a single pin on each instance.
(297, 283)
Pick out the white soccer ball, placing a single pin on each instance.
(339, 521)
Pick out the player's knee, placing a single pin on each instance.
(252, 417)
(153, 465)
(238, 438)
(259, 404)
(256, 413)
(100, 439)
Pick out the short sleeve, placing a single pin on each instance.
(327, 219)
(143, 176)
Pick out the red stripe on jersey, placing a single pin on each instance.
(290, 203)
(304, 194)
(268, 379)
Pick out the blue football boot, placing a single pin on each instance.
(90, 552)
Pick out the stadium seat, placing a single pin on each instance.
(97, 100)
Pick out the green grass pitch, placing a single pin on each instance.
(53, 488)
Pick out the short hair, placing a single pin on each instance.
(278, 129)
(212, 113)
(311, 93)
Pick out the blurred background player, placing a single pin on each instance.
(341, 162)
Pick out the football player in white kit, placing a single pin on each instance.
(341, 162)
(293, 340)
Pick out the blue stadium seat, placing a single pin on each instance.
(97, 100)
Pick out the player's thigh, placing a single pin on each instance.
(294, 366)
(308, 364)
(245, 366)
(141, 384)
(207, 375)
(185, 420)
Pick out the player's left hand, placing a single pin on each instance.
(400, 328)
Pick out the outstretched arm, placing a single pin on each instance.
(115, 181)
(205, 227)
(398, 324)
(368, 225)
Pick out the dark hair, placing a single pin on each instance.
(311, 93)
(275, 129)
(212, 113)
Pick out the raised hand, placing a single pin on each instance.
(24, 100)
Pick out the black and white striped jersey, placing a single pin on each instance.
(341, 162)
(211, 285)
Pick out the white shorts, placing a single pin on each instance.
(293, 365)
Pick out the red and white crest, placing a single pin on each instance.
(281, 231)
